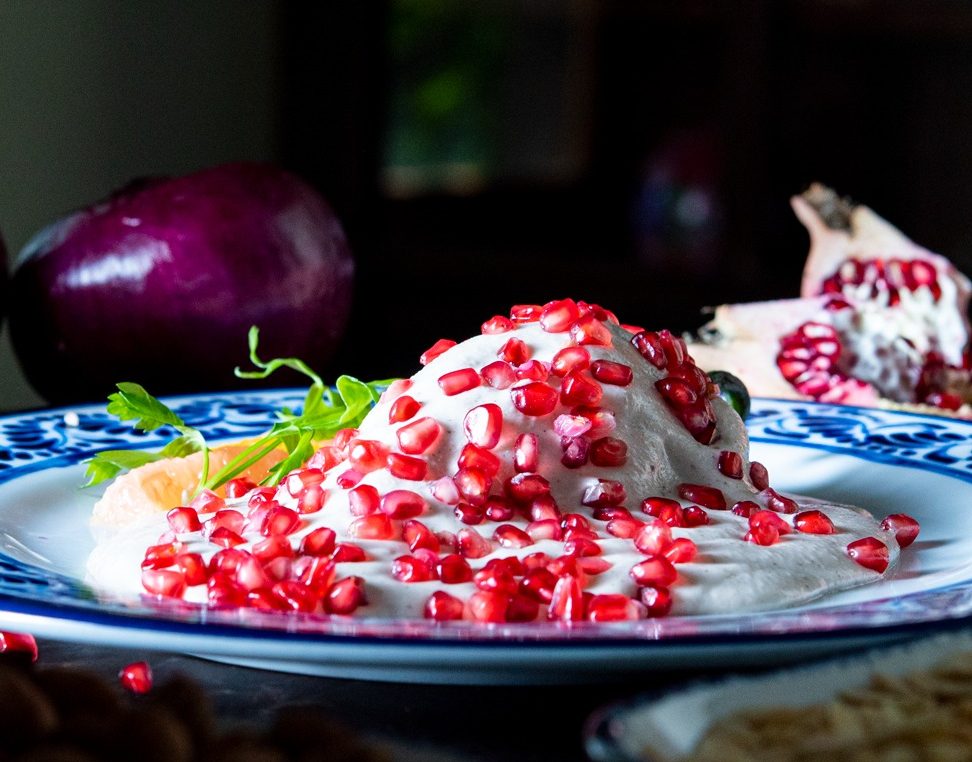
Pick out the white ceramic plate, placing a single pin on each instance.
(894, 462)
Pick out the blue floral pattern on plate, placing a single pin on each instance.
(33, 443)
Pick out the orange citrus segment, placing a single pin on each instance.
(165, 484)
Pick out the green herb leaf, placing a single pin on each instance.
(132, 402)
(324, 413)
(266, 368)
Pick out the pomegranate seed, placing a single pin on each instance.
(164, 582)
(136, 677)
(532, 370)
(225, 538)
(730, 464)
(602, 421)
(707, 497)
(239, 487)
(654, 538)
(525, 313)
(342, 438)
(649, 346)
(442, 345)
(162, 555)
(604, 493)
(418, 437)
(656, 571)
(459, 381)
(522, 609)
(693, 376)
(544, 529)
(557, 316)
(625, 528)
(590, 330)
(538, 583)
(488, 606)
(349, 478)
(497, 324)
(261, 496)
(193, 568)
(366, 455)
(664, 509)
(319, 542)
(568, 359)
(207, 501)
(442, 607)
(345, 596)
(904, 527)
(681, 551)
(758, 475)
(250, 574)
(615, 607)
(608, 512)
(614, 373)
(693, 516)
(265, 600)
(299, 481)
(576, 452)
(657, 600)
(495, 578)
(473, 485)
(534, 398)
(412, 569)
(762, 534)
(526, 453)
(402, 504)
(295, 596)
(567, 600)
(279, 521)
(407, 467)
(514, 351)
(478, 458)
(396, 388)
(578, 389)
(375, 527)
(582, 547)
(227, 519)
(403, 409)
(470, 514)
(779, 503)
(483, 425)
(593, 565)
(348, 552)
(472, 544)
(769, 518)
(18, 642)
(453, 569)
(510, 536)
(745, 508)
(524, 488)
(870, 553)
(444, 490)
(498, 509)
(571, 425)
(227, 561)
(325, 458)
(418, 536)
(814, 522)
(609, 452)
(364, 500)
(499, 375)
(676, 393)
(311, 500)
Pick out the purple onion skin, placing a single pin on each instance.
(160, 283)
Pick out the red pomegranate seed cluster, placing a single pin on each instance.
(886, 278)
(498, 489)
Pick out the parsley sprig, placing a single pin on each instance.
(324, 412)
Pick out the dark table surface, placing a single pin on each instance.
(518, 723)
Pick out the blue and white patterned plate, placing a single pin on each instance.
(889, 461)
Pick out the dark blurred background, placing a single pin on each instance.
(634, 153)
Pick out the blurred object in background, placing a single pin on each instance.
(677, 212)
